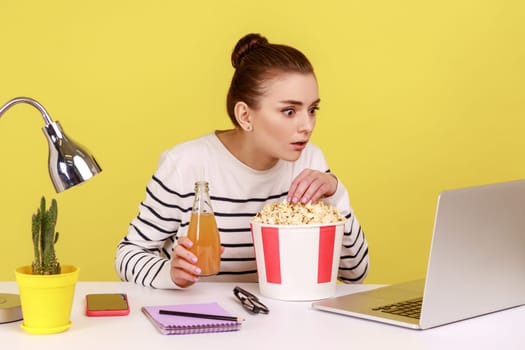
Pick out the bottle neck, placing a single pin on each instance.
(202, 201)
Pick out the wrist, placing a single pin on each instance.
(335, 182)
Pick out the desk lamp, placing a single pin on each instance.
(69, 165)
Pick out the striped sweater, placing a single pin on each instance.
(237, 193)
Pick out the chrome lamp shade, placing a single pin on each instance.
(69, 163)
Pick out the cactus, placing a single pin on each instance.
(44, 239)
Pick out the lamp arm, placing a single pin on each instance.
(45, 115)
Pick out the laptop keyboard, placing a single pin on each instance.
(409, 308)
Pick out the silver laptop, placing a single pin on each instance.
(476, 264)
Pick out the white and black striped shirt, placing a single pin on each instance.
(237, 193)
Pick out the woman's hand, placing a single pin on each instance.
(311, 185)
(184, 271)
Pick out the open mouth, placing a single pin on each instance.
(299, 145)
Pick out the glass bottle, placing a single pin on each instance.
(203, 232)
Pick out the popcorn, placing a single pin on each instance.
(285, 213)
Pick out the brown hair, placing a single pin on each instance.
(256, 61)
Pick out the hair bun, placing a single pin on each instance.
(245, 45)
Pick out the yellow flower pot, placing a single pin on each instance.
(46, 299)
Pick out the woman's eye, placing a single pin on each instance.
(288, 112)
(314, 110)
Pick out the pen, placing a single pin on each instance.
(193, 314)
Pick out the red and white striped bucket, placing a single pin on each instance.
(297, 262)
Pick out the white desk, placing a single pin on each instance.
(289, 325)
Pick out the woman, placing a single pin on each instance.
(266, 157)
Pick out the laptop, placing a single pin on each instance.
(476, 264)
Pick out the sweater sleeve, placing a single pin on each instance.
(143, 255)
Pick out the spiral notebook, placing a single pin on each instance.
(173, 324)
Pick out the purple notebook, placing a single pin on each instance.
(172, 324)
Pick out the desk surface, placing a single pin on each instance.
(288, 324)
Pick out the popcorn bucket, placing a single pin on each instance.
(297, 262)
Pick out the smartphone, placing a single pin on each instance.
(107, 304)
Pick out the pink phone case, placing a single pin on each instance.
(107, 304)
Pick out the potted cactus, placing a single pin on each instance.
(46, 287)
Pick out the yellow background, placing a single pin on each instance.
(417, 97)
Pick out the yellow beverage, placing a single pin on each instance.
(204, 234)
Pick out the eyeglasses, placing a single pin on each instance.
(250, 301)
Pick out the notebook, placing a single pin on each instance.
(476, 264)
(172, 324)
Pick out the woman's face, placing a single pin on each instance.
(285, 117)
